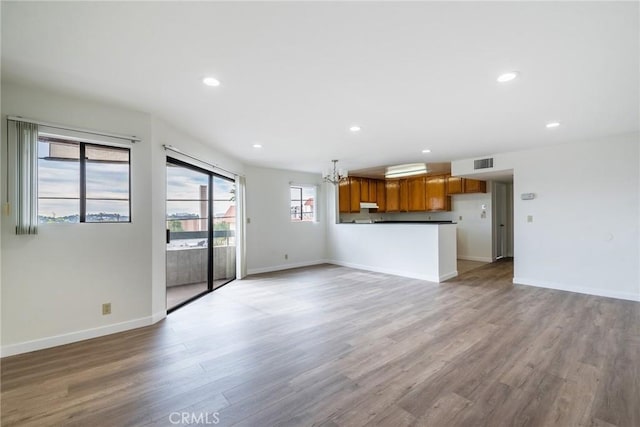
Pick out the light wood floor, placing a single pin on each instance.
(334, 346)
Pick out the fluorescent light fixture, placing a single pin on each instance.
(355, 128)
(552, 125)
(211, 81)
(507, 77)
(405, 170)
(426, 150)
(257, 145)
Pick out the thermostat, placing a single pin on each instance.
(528, 196)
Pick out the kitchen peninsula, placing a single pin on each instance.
(421, 250)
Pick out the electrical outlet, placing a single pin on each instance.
(460, 218)
(248, 220)
(529, 218)
(286, 256)
(106, 308)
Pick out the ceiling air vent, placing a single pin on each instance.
(483, 163)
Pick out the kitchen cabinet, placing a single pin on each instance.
(455, 185)
(344, 196)
(437, 199)
(417, 194)
(404, 196)
(364, 189)
(381, 195)
(373, 190)
(458, 185)
(475, 186)
(392, 193)
(355, 197)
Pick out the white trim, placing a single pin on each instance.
(475, 258)
(448, 276)
(56, 340)
(285, 266)
(156, 317)
(578, 289)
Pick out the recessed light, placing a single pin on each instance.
(426, 150)
(211, 81)
(552, 125)
(355, 128)
(257, 145)
(507, 77)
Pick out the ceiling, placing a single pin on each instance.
(296, 76)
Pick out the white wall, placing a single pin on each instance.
(584, 235)
(474, 228)
(270, 233)
(54, 283)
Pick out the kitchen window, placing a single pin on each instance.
(82, 182)
(303, 203)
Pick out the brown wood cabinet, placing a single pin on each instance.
(455, 185)
(354, 189)
(381, 195)
(417, 194)
(404, 195)
(373, 191)
(437, 199)
(364, 189)
(344, 196)
(392, 191)
(458, 185)
(475, 186)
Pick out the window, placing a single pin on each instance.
(303, 203)
(82, 182)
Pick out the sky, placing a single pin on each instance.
(184, 183)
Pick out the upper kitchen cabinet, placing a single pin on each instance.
(373, 191)
(475, 186)
(417, 194)
(392, 187)
(458, 185)
(381, 195)
(455, 185)
(364, 189)
(344, 196)
(355, 197)
(437, 199)
(404, 195)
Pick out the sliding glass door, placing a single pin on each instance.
(224, 231)
(200, 246)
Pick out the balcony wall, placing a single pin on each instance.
(189, 265)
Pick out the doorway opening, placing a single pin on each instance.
(200, 232)
(503, 219)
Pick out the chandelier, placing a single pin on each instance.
(334, 175)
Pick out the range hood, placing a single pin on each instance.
(366, 205)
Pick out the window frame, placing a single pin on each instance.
(82, 176)
(300, 217)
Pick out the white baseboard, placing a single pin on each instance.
(285, 266)
(56, 340)
(581, 290)
(448, 276)
(156, 317)
(475, 258)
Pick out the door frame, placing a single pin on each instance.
(210, 231)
